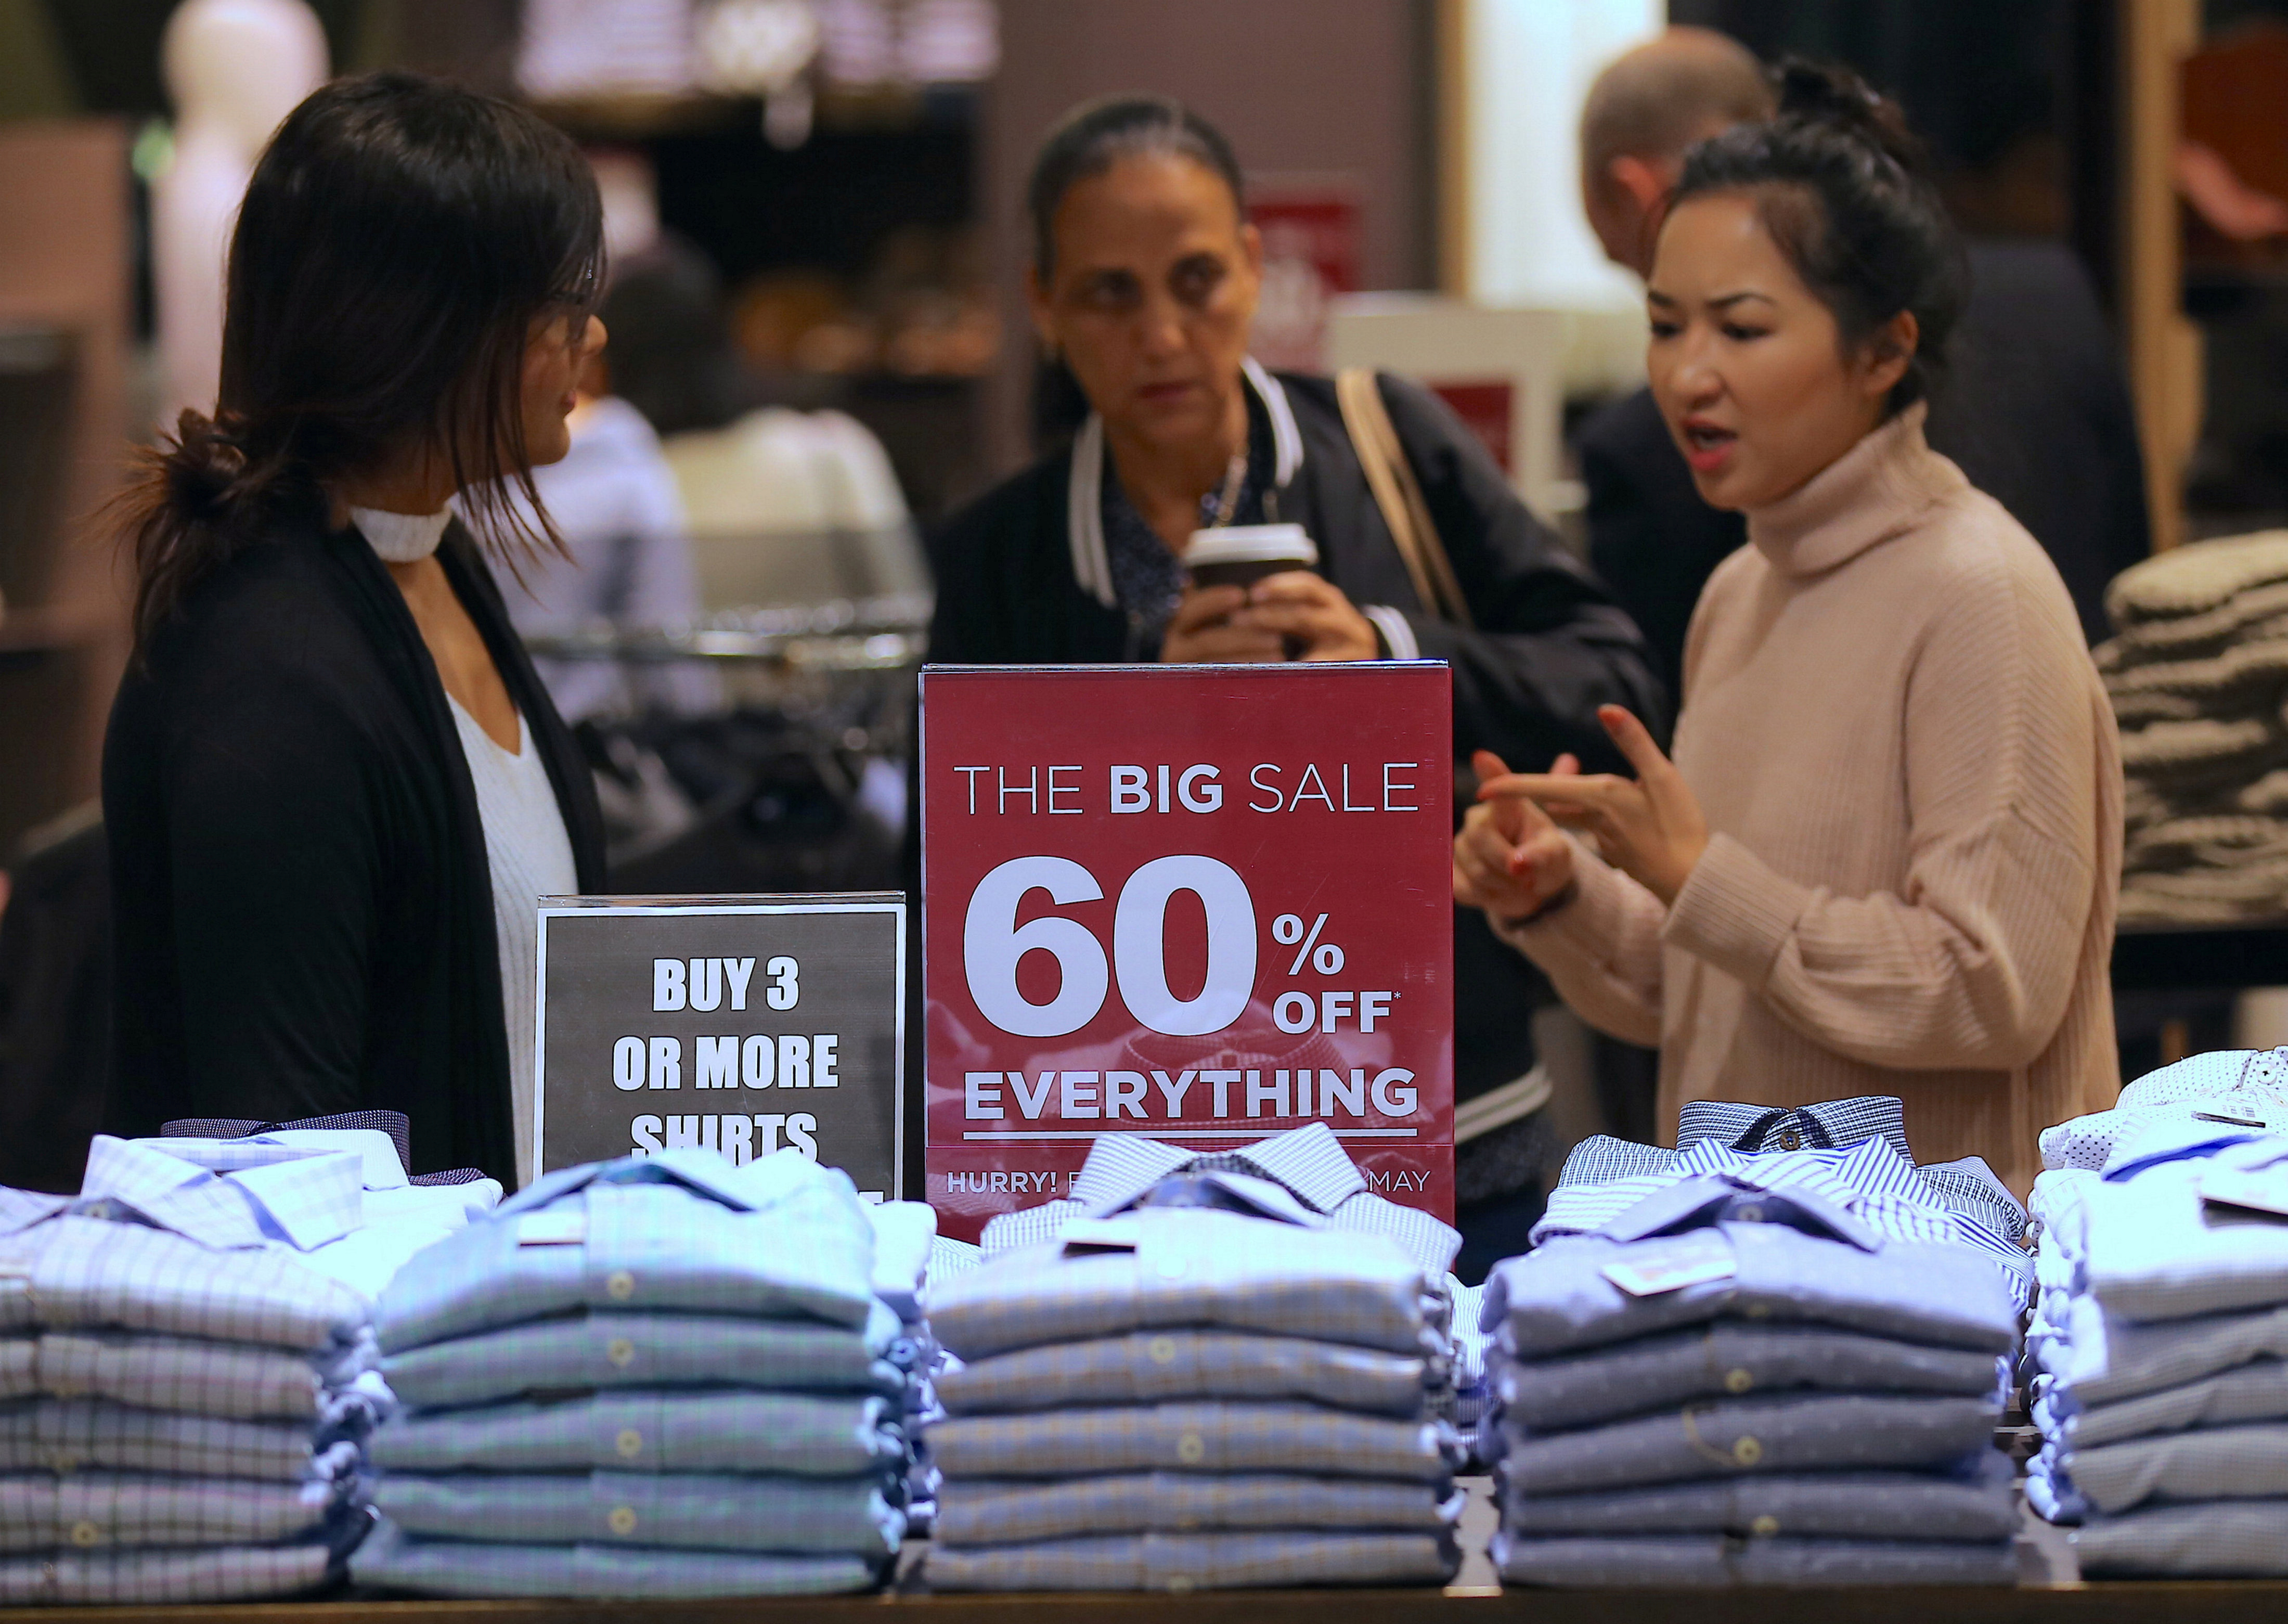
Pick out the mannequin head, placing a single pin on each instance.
(238, 67)
(1643, 111)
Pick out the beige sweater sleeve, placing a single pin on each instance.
(1971, 962)
(1600, 951)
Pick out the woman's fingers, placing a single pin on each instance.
(1635, 741)
(1579, 789)
(1204, 607)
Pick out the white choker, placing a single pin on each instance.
(401, 538)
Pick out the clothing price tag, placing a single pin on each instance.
(1101, 1234)
(1693, 1261)
(2262, 1191)
(1205, 903)
(565, 1227)
(745, 1025)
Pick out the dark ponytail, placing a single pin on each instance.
(399, 238)
(1844, 187)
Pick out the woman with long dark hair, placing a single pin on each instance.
(333, 784)
(1885, 858)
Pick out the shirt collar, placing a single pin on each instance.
(305, 1202)
(1308, 1162)
(1876, 490)
(1700, 1203)
(1085, 490)
(1832, 1122)
(759, 1184)
(377, 1152)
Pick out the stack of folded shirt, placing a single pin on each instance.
(649, 1378)
(1205, 1387)
(186, 1387)
(1743, 1381)
(906, 1245)
(2158, 1347)
(2197, 676)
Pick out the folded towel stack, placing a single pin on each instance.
(2198, 677)
(655, 1378)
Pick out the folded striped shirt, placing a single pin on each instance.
(1729, 1358)
(240, 1380)
(1164, 1267)
(727, 1431)
(1195, 1437)
(67, 1435)
(986, 1511)
(152, 1577)
(2252, 1393)
(602, 1349)
(1862, 1505)
(92, 1511)
(1148, 1366)
(2232, 1538)
(1719, 1561)
(1182, 1561)
(395, 1559)
(682, 1230)
(1843, 1431)
(810, 1516)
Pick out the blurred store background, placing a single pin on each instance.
(815, 307)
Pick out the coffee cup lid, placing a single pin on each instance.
(1252, 544)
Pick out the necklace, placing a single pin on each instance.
(1227, 502)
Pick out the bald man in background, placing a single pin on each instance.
(2035, 412)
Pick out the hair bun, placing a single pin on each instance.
(204, 467)
(1827, 93)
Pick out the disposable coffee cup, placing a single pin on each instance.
(1242, 555)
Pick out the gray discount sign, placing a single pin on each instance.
(744, 1024)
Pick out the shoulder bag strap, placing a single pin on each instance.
(1397, 493)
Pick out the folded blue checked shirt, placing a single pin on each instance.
(2250, 1393)
(1721, 1562)
(602, 1349)
(1209, 1437)
(1175, 1267)
(65, 1435)
(1854, 1505)
(2184, 1235)
(731, 1431)
(1843, 1431)
(395, 1559)
(88, 1511)
(1732, 1360)
(1149, 1366)
(2244, 1538)
(1709, 1247)
(154, 1578)
(805, 1516)
(986, 1511)
(680, 1231)
(243, 1380)
(1182, 1561)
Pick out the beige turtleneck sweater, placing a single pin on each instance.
(1912, 785)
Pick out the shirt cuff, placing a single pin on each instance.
(1735, 914)
(1588, 924)
(1397, 636)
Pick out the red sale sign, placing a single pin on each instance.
(1203, 904)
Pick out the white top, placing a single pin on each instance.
(525, 848)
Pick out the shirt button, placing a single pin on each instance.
(1738, 1381)
(1790, 1139)
(621, 1351)
(63, 1463)
(1191, 1449)
(1747, 1452)
(84, 1534)
(629, 1443)
(1765, 1526)
(622, 1520)
(1757, 1311)
(1162, 1348)
(1187, 1521)
(621, 1284)
(1750, 1215)
(1178, 1584)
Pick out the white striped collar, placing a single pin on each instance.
(1084, 492)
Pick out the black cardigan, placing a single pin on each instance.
(301, 899)
(1549, 647)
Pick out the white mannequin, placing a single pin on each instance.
(234, 68)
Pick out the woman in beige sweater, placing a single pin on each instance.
(1885, 856)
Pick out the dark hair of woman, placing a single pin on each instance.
(398, 239)
(1087, 142)
(1845, 190)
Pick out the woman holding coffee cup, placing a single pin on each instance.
(1143, 284)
